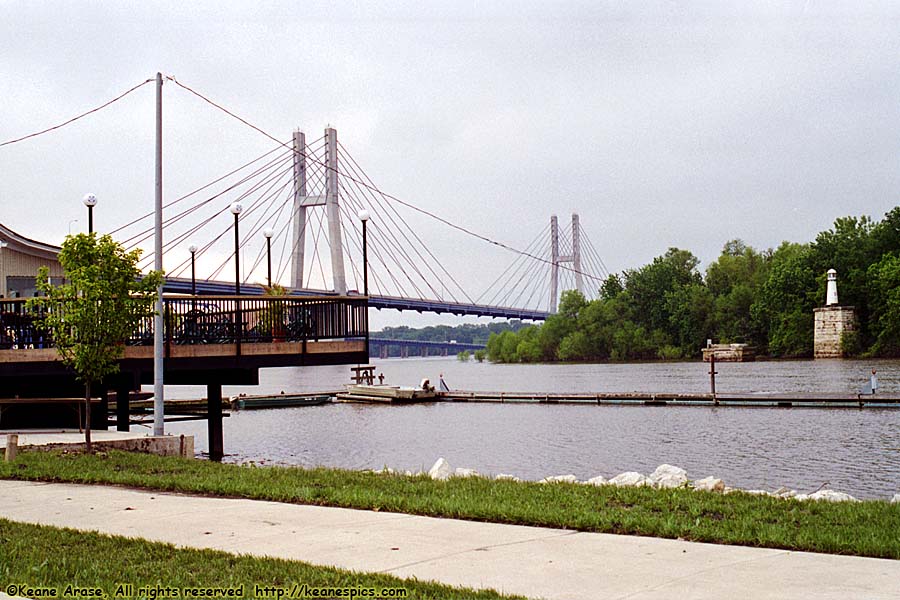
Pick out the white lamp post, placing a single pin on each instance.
(90, 200)
(268, 232)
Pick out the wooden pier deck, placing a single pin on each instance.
(762, 399)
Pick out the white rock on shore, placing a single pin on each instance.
(598, 480)
(560, 479)
(895, 499)
(441, 470)
(709, 484)
(630, 478)
(505, 477)
(668, 476)
(827, 496)
(463, 472)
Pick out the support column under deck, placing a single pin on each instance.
(214, 421)
(123, 410)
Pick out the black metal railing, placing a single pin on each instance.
(216, 320)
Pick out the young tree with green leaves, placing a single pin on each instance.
(100, 305)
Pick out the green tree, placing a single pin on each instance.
(528, 348)
(647, 287)
(784, 305)
(611, 287)
(480, 355)
(884, 279)
(574, 346)
(690, 309)
(96, 310)
(463, 356)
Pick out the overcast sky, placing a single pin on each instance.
(661, 123)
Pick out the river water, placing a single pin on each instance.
(851, 450)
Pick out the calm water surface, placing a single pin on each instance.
(857, 451)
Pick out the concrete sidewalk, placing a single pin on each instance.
(532, 561)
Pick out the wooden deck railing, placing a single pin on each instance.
(216, 320)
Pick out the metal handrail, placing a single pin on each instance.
(217, 320)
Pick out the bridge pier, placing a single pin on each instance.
(214, 421)
(384, 351)
(123, 414)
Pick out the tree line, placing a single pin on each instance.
(468, 333)
(668, 308)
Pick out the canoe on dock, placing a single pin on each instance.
(244, 402)
(391, 394)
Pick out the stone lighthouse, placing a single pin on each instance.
(831, 322)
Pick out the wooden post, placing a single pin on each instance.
(12, 446)
(214, 420)
(712, 377)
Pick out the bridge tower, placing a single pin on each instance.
(330, 201)
(556, 258)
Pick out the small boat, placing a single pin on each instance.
(243, 402)
(386, 393)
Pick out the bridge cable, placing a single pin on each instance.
(255, 206)
(197, 191)
(375, 188)
(506, 286)
(357, 170)
(75, 118)
(510, 267)
(394, 251)
(379, 250)
(270, 179)
(399, 248)
(148, 233)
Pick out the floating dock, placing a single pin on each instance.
(387, 394)
(785, 400)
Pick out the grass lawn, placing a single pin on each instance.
(49, 557)
(858, 528)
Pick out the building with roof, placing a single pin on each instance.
(20, 259)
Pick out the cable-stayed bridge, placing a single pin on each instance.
(297, 215)
(299, 226)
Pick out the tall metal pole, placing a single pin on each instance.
(158, 333)
(554, 263)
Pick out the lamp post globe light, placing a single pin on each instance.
(269, 232)
(236, 209)
(90, 200)
(364, 217)
(193, 250)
